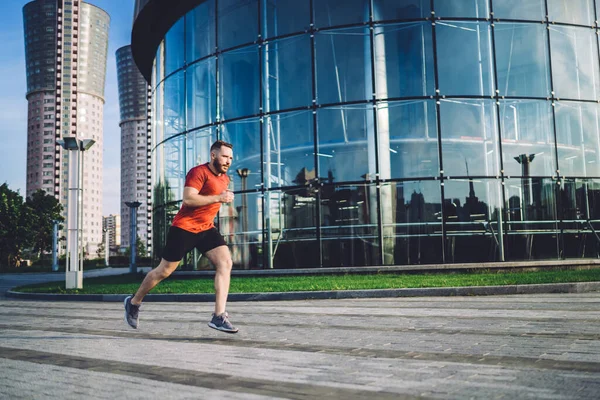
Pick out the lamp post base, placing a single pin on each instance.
(74, 280)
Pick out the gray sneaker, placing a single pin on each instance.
(131, 312)
(221, 323)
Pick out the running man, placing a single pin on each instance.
(193, 227)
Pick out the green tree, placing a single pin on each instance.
(41, 210)
(100, 250)
(140, 247)
(13, 235)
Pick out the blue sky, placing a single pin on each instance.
(13, 105)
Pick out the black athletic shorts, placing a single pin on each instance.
(180, 241)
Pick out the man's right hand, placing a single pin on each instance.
(226, 197)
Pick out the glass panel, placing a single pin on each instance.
(174, 47)
(201, 94)
(469, 138)
(404, 60)
(159, 63)
(527, 138)
(412, 228)
(238, 22)
(572, 11)
(288, 149)
(287, 82)
(285, 17)
(349, 225)
(175, 167)
(400, 9)
(343, 65)
(464, 58)
(522, 60)
(577, 132)
(245, 172)
(158, 133)
(531, 228)
(293, 228)
(408, 129)
(534, 10)
(174, 110)
(239, 90)
(198, 146)
(346, 143)
(241, 225)
(578, 239)
(335, 12)
(472, 211)
(461, 8)
(574, 62)
(200, 31)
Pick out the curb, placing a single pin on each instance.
(576, 287)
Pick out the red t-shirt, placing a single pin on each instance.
(200, 219)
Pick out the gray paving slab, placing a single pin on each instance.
(543, 346)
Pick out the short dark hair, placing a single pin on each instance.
(220, 143)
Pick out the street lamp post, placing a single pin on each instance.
(106, 247)
(54, 246)
(133, 206)
(74, 265)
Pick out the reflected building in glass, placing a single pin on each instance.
(381, 132)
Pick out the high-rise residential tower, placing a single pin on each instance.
(135, 167)
(66, 45)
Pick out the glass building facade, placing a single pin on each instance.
(385, 132)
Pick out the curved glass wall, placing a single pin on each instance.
(382, 132)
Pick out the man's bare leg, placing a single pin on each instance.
(153, 278)
(221, 259)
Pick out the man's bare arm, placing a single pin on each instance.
(192, 198)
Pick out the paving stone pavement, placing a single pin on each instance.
(544, 346)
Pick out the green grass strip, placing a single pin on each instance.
(123, 284)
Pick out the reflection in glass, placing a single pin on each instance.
(174, 47)
(572, 11)
(244, 135)
(201, 93)
(472, 212)
(287, 76)
(467, 44)
(469, 137)
(461, 8)
(335, 12)
(175, 167)
(527, 131)
(404, 60)
(533, 10)
(286, 16)
(577, 133)
(238, 22)
(346, 144)
(240, 223)
(343, 65)
(410, 128)
(200, 31)
(412, 234)
(292, 233)
(532, 228)
(174, 108)
(288, 142)
(198, 146)
(239, 80)
(349, 225)
(577, 229)
(400, 9)
(522, 59)
(575, 62)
